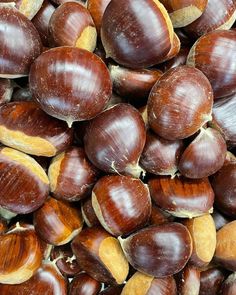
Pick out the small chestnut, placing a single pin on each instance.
(88, 213)
(83, 284)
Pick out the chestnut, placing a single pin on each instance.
(17, 129)
(100, 255)
(21, 255)
(112, 290)
(204, 156)
(83, 284)
(229, 285)
(88, 213)
(161, 156)
(179, 60)
(24, 184)
(159, 216)
(182, 197)
(22, 49)
(172, 112)
(122, 204)
(149, 252)
(71, 175)
(211, 281)
(114, 140)
(72, 25)
(6, 90)
(57, 222)
(140, 283)
(208, 54)
(219, 219)
(61, 71)
(174, 50)
(129, 40)
(188, 281)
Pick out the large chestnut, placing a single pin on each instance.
(182, 197)
(180, 103)
(83, 284)
(159, 251)
(114, 140)
(6, 90)
(59, 72)
(140, 39)
(215, 55)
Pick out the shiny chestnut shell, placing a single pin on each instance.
(211, 281)
(83, 284)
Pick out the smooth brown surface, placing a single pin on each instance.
(188, 281)
(159, 216)
(179, 60)
(6, 90)
(229, 285)
(112, 290)
(88, 213)
(174, 50)
(189, 91)
(211, 281)
(83, 284)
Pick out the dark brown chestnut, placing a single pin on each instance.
(100, 255)
(114, 140)
(161, 156)
(83, 284)
(215, 55)
(219, 219)
(159, 216)
(179, 60)
(180, 103)
(22, 94)
(6, 90)
(22, 49)
(229, 285)
(112, 290)
(174, 50)
(71, 175)
(211, 281)
(122, 204)
(61, 71)
(72, 25)
(143, 38)
(149, 252)
(188, 281)
(88, 213)
(182, 197)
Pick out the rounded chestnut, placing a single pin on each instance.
(211, 281)
(61, 71)
(149, 252)
(83, 284)
(122, 204)
(88, 213)
(179, 60)
(215, 55)
(72, 25)
(129, 40)
(6, 90)
(229, 285)
(188, 281)
(71, 175)
(114, 140)
(112, 290)
(180, 103)
(159, 216)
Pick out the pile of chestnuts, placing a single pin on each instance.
(118, 147)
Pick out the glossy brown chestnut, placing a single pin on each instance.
(159, 216)
(71, 175)
(83, 284)
(122, 204)
(47, 280)
(161, 156)
(64, 70)
(211, 281)
(88, 213)
(229, 285)
(189, 281)
(140, 283)
(21, 255)
(24, 184)
(217, 15)
(22, 49)
(114, 140)
(215, 55)
(143, 38)
(203, 233)
(179, 60)
(219, 219)
(112, 290)
(182, 197)
(57, 222)
(6, 90)
(100, 255)
(204, 156)
(184, 12)
(149, 252)
(72, 25)
(25, 127)
(180, 103)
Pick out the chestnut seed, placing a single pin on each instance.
(57, 222)
(24, 126)
(219, 219)
(143, 284)
(161, 156)
(24, 184)
(208, 54)
(6, 90)
(211, 281)
(61, 71)
(172, 112)
(130, 41)
(88, 213)
(159, 216)
(189, 281)
(72, 25)
(22, 49)
(71, 175)
(83, 284)
(229, 285)
(114, 140)
(112, 290)
(148, 251)
(122, 204)
(100, 255)
(182, 197)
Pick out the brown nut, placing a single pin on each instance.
(88, 213)
(211, 281)
(83, 284)
(229, 285)
(188, 281)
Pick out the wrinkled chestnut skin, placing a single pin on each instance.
(211, 281)
(114, 140)
(6, 90)
(130, 41)
(148, 251)
(191, 94)
(61, 71)
(215, 55)
(20, 43)
(83, 284)
(88, 213)
(229, 285)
